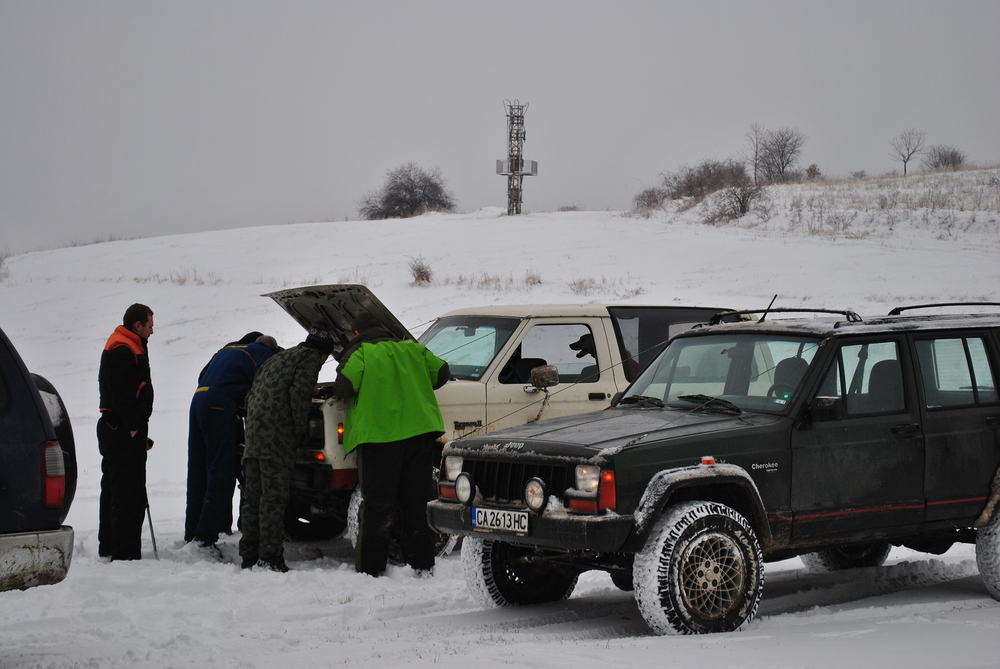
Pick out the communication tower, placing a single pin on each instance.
(515, 168)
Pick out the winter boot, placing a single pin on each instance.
(276, 563)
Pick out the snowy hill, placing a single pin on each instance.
(866, 245)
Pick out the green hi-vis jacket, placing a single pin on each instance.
(390, 386)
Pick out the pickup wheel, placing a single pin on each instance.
(847, 557)
(301, 525)
(500, 574)
(444, 544)
(701, 571)
(988, 555)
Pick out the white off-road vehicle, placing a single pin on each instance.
(589, 353)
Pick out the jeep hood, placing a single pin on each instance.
(338, 305)
(614, 430)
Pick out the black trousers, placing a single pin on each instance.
(396, 484)
(123, 489)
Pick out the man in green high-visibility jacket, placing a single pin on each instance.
(393, 419)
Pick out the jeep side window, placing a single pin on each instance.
(955, 371)
(868, 378)
(570, 348)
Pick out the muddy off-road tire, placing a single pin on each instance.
(701, 571)
(988, 556)
(499, 574)
(847, 557)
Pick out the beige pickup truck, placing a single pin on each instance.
(595, 349)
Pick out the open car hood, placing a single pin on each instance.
(338, 305)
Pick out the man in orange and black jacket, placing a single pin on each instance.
(122, 434)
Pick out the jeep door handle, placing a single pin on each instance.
(906, 429)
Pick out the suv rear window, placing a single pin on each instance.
(956, 372)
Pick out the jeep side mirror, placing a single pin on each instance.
(545, 377)
(823, 409)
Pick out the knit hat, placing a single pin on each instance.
(320, 337)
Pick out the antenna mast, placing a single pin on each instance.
(515, 168)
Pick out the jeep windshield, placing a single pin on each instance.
(748, 372)
(468, 344)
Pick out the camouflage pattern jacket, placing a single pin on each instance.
(278, 404)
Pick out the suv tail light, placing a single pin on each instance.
(54, 475)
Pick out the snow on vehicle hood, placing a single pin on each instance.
(338, 304)
(604, 431)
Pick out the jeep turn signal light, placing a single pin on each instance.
(707, 460)
(607, 496)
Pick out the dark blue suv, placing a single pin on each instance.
(37, 477)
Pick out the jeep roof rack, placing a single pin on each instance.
(851, 316)
(898, 310)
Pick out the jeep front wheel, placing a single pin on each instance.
(500, 574)
(701, 571)
(988, 555)
(847, 557)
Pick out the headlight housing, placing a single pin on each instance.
(452, 467)
(588, 477)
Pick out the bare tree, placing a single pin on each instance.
(939, 157)
(906, 145)
(649, 198)
(779, 153)
(753, 150)
(408, 191)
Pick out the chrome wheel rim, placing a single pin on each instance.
(712, 575)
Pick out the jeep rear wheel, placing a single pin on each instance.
(500, 574)
(847, 557)
(701, 571)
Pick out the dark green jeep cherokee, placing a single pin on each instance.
(829, 438)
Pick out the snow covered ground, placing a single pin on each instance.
(813, 248)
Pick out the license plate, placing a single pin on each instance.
(497, 519)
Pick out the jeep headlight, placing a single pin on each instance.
(587, 478)
(452, 467)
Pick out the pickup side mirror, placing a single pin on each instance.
(822, 409)
(545, 377)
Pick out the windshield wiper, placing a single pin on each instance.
(709, 403)
(642, 400)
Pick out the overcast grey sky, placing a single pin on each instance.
(137, 118)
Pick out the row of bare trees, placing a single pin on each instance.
(909, 143)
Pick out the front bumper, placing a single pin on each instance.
(35, 558)
(604, 533)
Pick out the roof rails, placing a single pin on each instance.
(898, 310)
(851, 316)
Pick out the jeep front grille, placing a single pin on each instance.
(503, 482)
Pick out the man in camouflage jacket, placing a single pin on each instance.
(277, 419)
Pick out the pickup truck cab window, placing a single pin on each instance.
(568, 347)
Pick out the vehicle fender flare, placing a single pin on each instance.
(724, 483)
